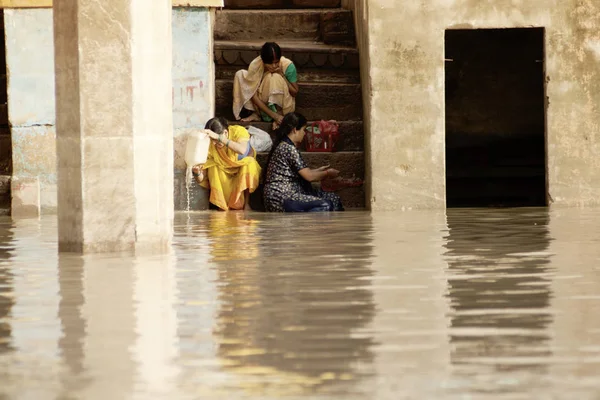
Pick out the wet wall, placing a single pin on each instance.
(30, 63)
(406, 95)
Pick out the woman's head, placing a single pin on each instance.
(218, 125)
(270, 55)
(292, 125)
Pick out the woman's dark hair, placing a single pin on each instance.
(217, 125)
(290, 121)
(270, 52)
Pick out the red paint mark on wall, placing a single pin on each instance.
(190, 92)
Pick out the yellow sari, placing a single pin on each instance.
(229, 177)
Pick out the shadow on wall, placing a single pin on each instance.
(5, 138)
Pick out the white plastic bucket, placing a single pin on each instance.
(196, 149)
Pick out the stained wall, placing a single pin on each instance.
(30, 64)
(406, 134)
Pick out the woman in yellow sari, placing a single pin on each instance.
(231, 171)
(267, 90)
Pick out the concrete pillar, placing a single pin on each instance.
(114, 124)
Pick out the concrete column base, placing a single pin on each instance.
(114, 125)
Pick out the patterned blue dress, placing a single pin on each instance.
(284, 183)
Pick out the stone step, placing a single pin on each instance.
(304, 75)
(275, 25)
(3, 115)
(5, 154)
(5, 195)
(348, 163)
(282, 3)
(316, 101)
(352, 136)
(3, 89)
(304, 54)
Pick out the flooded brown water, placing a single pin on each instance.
(468, 304)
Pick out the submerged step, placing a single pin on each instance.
(5, 194)
(316, 101)
(5, 154)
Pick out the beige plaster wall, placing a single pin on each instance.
(407, 122)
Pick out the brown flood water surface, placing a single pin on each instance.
(463, 304)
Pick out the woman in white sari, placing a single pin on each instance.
(267, 90)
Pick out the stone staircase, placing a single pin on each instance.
(5, 141)
(318, 36)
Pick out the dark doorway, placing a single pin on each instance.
(495, 118)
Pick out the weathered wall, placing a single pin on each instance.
(30, 62)
(31, 113)
(193, 90)
(193, 74)
(407, 121)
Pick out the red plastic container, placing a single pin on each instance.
(322, 136)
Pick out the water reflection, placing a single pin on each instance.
(6, 286)
(500, 290)
(73, 324)
(290, 298)
(472, 304)
(118, 325)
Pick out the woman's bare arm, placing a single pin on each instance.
(294, 88)
(239, 147)
(315, 175)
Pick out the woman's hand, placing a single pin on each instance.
(323, 168)
(332, 173)
(277, 120)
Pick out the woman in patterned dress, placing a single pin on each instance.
(288, 179)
